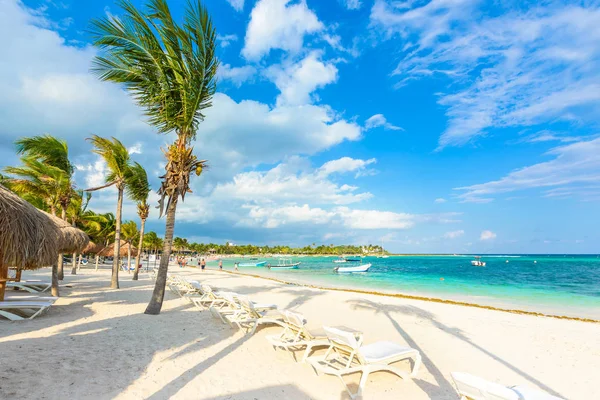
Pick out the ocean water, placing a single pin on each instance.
(554, 284)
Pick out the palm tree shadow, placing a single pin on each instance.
(387, 310)
(300, 296)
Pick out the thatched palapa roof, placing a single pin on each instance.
(92, 248)
(72, 240)
(28, 237)
(109, 250)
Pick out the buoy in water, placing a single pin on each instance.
(441, 279)
(535, 262)
(507, 261)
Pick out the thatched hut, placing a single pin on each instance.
(92, 248)
(31, 238)
(109, 250)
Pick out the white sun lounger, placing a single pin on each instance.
(471, 387)
(346, 355)
(255, 314)
(19, 310)
(30, 286)
(49, 299)
(297, 335)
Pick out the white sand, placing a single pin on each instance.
(97, 343)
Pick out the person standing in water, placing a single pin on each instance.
(203, 264)
(221, 265)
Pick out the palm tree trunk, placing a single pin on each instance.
(60, 272)
(55, 277)
(74, 265)
(114, 282)
(97, 261)
(79, 261)
(139, 255)
(161, 278)
(129, 257)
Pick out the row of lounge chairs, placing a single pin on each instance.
(346, 353)
(16, 308)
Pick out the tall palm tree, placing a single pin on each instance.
(138, 190)
(76, 213)
(129, 233)
(116, 157)
(170, 70)
(45, 179)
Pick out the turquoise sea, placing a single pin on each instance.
(553, 284)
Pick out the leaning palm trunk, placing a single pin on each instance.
(161, 277)
(114, 282)
(139, 254)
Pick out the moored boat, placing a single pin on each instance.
(477, 262)
(353, 269)
(284, 263)
(253, 264)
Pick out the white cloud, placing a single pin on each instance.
(345, 164)
(293, 214)
(238, 5)
(516, 68)
(454, 234)
(237, 75)
(352, 4)
(225, 40)
(291, 181)
(378, 120)
(374, 219)
(573, 165)
(135, 149)
(275, 24)
(297, 81)
(439, 200)
(487, 235)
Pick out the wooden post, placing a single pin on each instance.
(3, 276)
(18, 276)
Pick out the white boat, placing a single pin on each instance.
(382, 255)
(284, 263)
(253, 264)
(477, 262)
(355, 268)
(340, 260)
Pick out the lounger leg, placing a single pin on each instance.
(417, 365)
(11, 316)
(352, 396)
(363, 382)
(41, 310)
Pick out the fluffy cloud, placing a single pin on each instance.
(439, 200)
(238, 5)
(487, 235)
(275, 24)
(513, 68)
(379, 120)
(352, 4)
(346, 164)
(297, 81)
(237, 75)
(574, 170)
(454, 234)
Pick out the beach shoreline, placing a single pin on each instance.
(414, 297)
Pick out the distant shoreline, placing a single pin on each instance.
(416, 297)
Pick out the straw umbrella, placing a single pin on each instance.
(93, 248)
(124, 249)
(28, 238)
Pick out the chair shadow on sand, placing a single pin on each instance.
(444, 385)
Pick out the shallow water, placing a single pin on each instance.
(565, 285)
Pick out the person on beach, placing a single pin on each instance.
(221, 265)
(235, 266)
(203, 264)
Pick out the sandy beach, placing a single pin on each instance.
(97, 343)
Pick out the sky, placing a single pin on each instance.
(443, 126)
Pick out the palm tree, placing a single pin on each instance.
(129, 233)
(170, 70)
(45, 179)
(100, 228)
(116, 157)
(138, 190)
(77, 214)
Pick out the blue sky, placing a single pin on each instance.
(435, 126)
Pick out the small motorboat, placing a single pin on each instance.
(340, 260)
(284, 263)
(477, 262)
(253, 264)
(353, 269)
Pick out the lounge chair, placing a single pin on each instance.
(296, 335)
(346, 355)
(30, 286)
(49, 299)
(19, 310)
(471, 387)
(255, 314)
